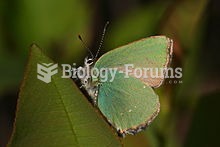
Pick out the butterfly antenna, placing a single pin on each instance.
(84, 44)
(101, 42)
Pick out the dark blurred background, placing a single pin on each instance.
(189, 106)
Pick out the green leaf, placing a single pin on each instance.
(57, 113)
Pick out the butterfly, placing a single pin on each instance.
(129, 104)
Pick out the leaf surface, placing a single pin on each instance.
(57, 113)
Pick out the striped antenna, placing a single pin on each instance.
(101, 42)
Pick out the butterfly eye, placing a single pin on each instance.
(85, 81)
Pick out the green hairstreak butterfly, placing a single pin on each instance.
(129, 104)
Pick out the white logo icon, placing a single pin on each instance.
(46, 71)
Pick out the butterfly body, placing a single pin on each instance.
(88, 83)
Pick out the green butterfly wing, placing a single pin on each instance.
(128, 104)
(151, 52)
